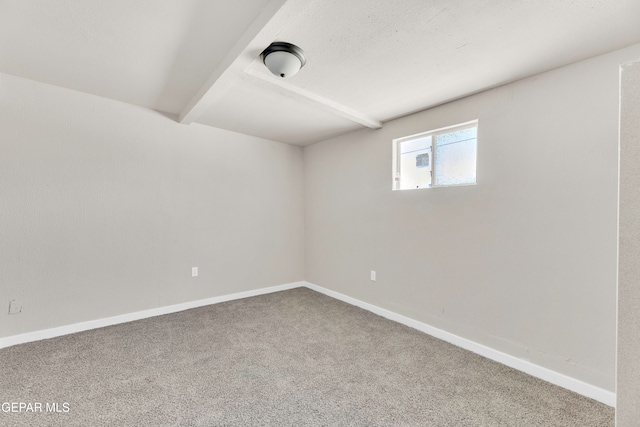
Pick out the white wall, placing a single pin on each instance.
(107, 206)
(628, 384)
(525, 261)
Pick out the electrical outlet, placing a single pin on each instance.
(194, 271)
(373, 276)
(15, 306)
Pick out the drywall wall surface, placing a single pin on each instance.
(523, 262)
(106, 207)
(628, 379)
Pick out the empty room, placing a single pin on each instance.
(319, 213)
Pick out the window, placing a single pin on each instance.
(437, 158)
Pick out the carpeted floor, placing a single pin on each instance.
(293, 358)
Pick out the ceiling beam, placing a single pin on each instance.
(262, 31)
(313, 99)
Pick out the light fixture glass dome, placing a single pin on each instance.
(283, 59)
(282, 64)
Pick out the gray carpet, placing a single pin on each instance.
(293, 358)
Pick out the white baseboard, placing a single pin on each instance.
(108, 321)
(580, 387)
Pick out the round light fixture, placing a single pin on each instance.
(283, 59)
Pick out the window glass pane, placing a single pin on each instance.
(415, 163)
(456, 157)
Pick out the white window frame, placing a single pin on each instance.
(396, 172)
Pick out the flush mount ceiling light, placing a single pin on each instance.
(283, 59)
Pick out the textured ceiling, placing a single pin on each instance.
(369, 61)
(154, 53)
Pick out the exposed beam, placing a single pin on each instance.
(262, 31)
(313, 99)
